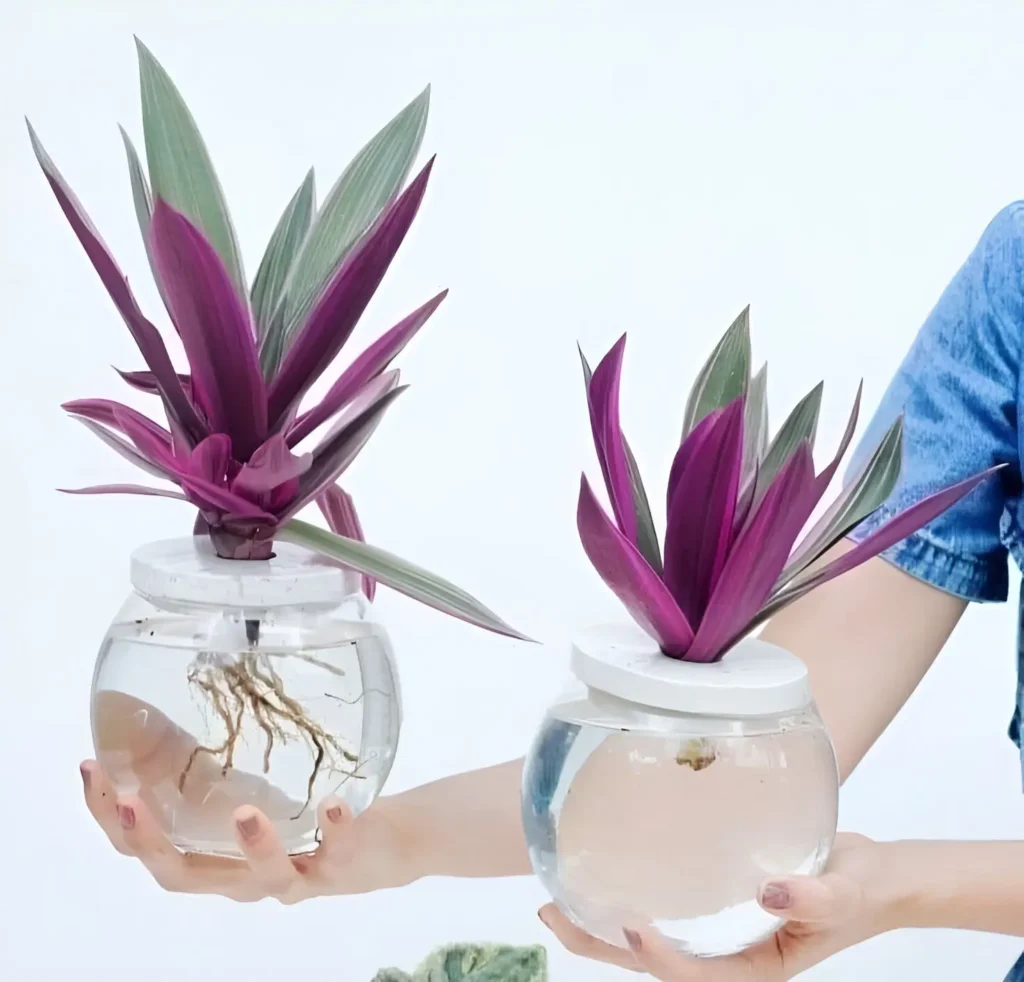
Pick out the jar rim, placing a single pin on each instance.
(755, 678)
(187, 572)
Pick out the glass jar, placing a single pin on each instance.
(230, 682)
(661, 793)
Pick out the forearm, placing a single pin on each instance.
(465, 825)
(971, 886)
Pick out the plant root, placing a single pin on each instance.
(696, 754)
(251, 686)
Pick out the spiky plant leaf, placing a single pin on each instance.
(862, 496)
(800, 426)
(646, 534)
(180, 170)
(724, 376)
(142, 198)
(369, 182)
(399, 574)
(756, 433)
(284, 245)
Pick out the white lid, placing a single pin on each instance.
(188, 571)
(755, 678)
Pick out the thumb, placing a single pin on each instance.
(812, 900)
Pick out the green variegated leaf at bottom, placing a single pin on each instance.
(400, 575)
(867, 492)
(725, 374)
(369, 182)
(284, 245)
(476, 963)
(180, 170)
(646, 533)
(800, 426)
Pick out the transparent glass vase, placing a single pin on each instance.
(230, 682)
(663, 793)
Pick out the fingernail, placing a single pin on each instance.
(334, 814)
(775, 896)
(127, 815)
(249, 827)
(632, 939)
(86, 776)
(543, 918)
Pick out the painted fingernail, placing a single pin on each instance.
(86, 776)
(249, 827)
(334, 814)
(775, 896)
(543, 918)
(632, 939)
(127, 815)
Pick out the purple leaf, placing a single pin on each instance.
(146, 336)
(895, 530)
(146, 382)
(693, 441)
(210, 458)
(125, 489)
(366, 367)
(622, 567)
(603, 400)
(105, 411)
(217, 498)
(151, 445)
(758, 556)
(126, 450)
(342, 445)
(335, 315)
(272, 465)
(215, 329)
(701, 513)
(339, 509)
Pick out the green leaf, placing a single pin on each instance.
(369, 182)
(724, 376)
(646, 533)
(143, 201)
(868, 491)
(180, 170)
(755, 424)
(396, 573)
(141, 196)
(800, 425)
(284, 245)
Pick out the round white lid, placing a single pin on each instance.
(188, 571)
(755, 678)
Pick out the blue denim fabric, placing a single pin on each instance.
(959, 389)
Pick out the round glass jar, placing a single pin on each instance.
(662, 793)
(230, 682)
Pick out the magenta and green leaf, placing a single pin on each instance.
(646, 534)
(232, 419)
(736, 504)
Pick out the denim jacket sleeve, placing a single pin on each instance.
(958, 391)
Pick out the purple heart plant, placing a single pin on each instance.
(235, 421)
(737, 501)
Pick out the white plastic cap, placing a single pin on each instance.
(187, 571)
(755, 678)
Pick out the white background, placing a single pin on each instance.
(601, 167)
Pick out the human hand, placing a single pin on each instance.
(355, 855)
(849, 903)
